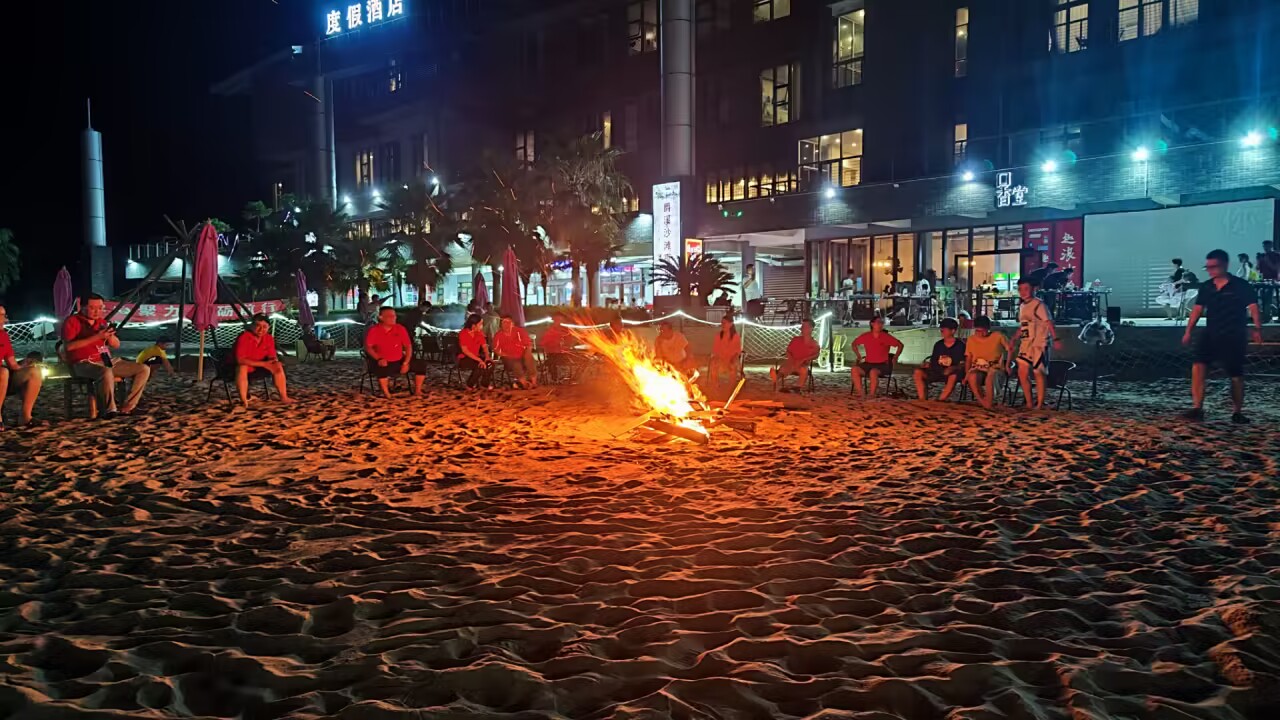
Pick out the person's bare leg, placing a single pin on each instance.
(278, 378)
(1024, 379)
(922, 390)
(989, 399)
(857, 381)
(971, 379)
(873, 382)
(107, 391)
(30, 391)
(1041, 381)
(4, 390)
(385, 385)
(948, 388)
(242, 383)
(803, 374)
(417, 383)
(1197, 385)
(1237, 394)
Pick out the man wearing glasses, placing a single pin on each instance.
(1224, 298)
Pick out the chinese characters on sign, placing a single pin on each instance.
(1068, 249)
(369, 12)
(1008, 194)
(169, 313)
(692, 248)
(666, 227)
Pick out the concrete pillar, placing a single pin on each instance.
(324, 175)
(748, 258)
(676, 44)
(95, 204)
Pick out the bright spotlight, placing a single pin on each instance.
(297, 209)
(1252, 140)
(1141, 155)
(376, 194)
(346, 199)
(435, 180)
(830, 193)
(1049, 166)
(968, 176)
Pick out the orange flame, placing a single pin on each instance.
(658, 385)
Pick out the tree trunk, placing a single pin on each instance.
(495, 292)
(593, 284)
(322, 299)
(545, 283)
(575, 279)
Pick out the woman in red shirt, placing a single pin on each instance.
(473, 354)
(726, 353)
(513, 345)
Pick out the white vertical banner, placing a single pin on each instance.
(666, 229)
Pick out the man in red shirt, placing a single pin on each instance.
(390, 352)
(801, 352)
(88, 342)
(874, 355)
(255, 352)
(557, 344)
(513, 346)
(26, 379)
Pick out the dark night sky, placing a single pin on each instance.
(169, 145)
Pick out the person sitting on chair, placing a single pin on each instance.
(88, 345)
(390, 353)
(672, 347)
(556, 344)
(726, 353)
(513, 346)
(24, 377)
(255, 350)
(985, 355)
(723, 299)
(801, 351)
(874, 356)
(473, 354)
(157, 354)
(945, 365)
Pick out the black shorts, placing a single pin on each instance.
(934, 374)
(882, 368)
(1224, 351)
(417, 366)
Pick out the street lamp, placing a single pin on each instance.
(830, 193)
(1251, 140)
(1049, 166)
(967, 176)
(1141, 155)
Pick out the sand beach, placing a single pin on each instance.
(503, 556)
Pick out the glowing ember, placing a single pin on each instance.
(658, 385)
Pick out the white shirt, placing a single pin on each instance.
(751, 289)
(673, 349)
(1034, 320)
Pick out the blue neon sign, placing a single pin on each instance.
(360, 14)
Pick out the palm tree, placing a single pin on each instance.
(422, 231)
(502, 210)
(586, 194)
(10, 269)
(321, 233)
(702, 274)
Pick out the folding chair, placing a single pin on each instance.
(1057, 379)
(367, 380)
(887, 380)
(225, 369)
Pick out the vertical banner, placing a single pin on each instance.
(1068, 249)
(1037, 239)
(667, 232)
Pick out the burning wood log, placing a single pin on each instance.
(679, 431)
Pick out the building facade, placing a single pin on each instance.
(869, 139)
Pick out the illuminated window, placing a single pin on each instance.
(960, 145)
(1183, 12)
(834, 159)
(1071, 26)
(395, 77)
(766, 10)
(1143, 18)
(642, 27)
(776, 85)
(712, 16)
(606, 129)
(848, 47)
(524, 147)
(962, 42)
(389, 162)
(755, 182)
(364, 168)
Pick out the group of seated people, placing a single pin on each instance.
(977, 362)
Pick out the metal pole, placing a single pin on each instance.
(182, 305)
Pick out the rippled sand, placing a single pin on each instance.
(503, 557)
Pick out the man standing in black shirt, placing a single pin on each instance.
(1224, 298)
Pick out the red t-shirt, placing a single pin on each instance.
(388, 342)
(78, 327)
(876, 348)
(803, 348)
(472, 340)
(553, 340)
(511, 345)
(249, 348)
(6, 347)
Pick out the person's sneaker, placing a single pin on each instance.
(1194, 414)
(1239, 418)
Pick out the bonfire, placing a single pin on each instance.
(664, 392)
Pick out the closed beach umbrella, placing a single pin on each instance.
(305, 318)
(63, 294)
(480, 292)
(205, 288)
(512, 303)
